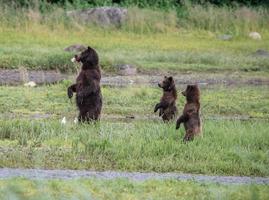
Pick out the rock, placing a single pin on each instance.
(126, 70)
(103, 16)
(30, 84)
(261, 53)
(76, 48)
(255, 36)
(63, 122)
(225, 37)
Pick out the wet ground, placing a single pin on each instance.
(135, 176)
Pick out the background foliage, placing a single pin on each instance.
(142, 3)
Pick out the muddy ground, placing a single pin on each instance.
(18, 77)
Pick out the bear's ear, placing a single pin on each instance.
(170, 78)
(89, 48)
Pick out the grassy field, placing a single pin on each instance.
(124, 189)
(31, 135)
(228, 147)
(191, 51)
(52, 99)
(33, 40)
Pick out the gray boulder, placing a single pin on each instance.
(225, 37)
(255, 35)
(103, 16)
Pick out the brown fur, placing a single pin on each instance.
(87, 87)
(191, 115)
(167, 106)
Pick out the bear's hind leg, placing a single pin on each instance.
(82, 117)
(189, 135)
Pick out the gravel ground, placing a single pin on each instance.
(135, 176)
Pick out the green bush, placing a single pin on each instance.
(140, 3)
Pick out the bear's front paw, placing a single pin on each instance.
(161, 112)
(188, 137)
(70, 94)
(156, 108)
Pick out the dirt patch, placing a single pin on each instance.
(201, 79)
(135, 176)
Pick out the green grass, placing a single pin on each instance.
(189, 51)
(227, 148)
(52, 99)
(124, 189)
(34, 40)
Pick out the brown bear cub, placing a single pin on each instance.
(191, 116)
(167, 106)
(87, 87)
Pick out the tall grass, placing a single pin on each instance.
(146, 20)
(236, 20)
(34, 37)
(227, 148)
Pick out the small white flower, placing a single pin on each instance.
(30, 84)
(63, 121)
(73, 59)
(76, 120)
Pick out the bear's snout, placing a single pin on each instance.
(77, 58)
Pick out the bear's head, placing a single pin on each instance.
(167, 84)
(192, 93)
(89, 58)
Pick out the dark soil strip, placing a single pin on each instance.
(136, 176)
(201, 79)
(20, 76)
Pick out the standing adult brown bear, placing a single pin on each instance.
(167, 105)
(191, 115)
(87, 87)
